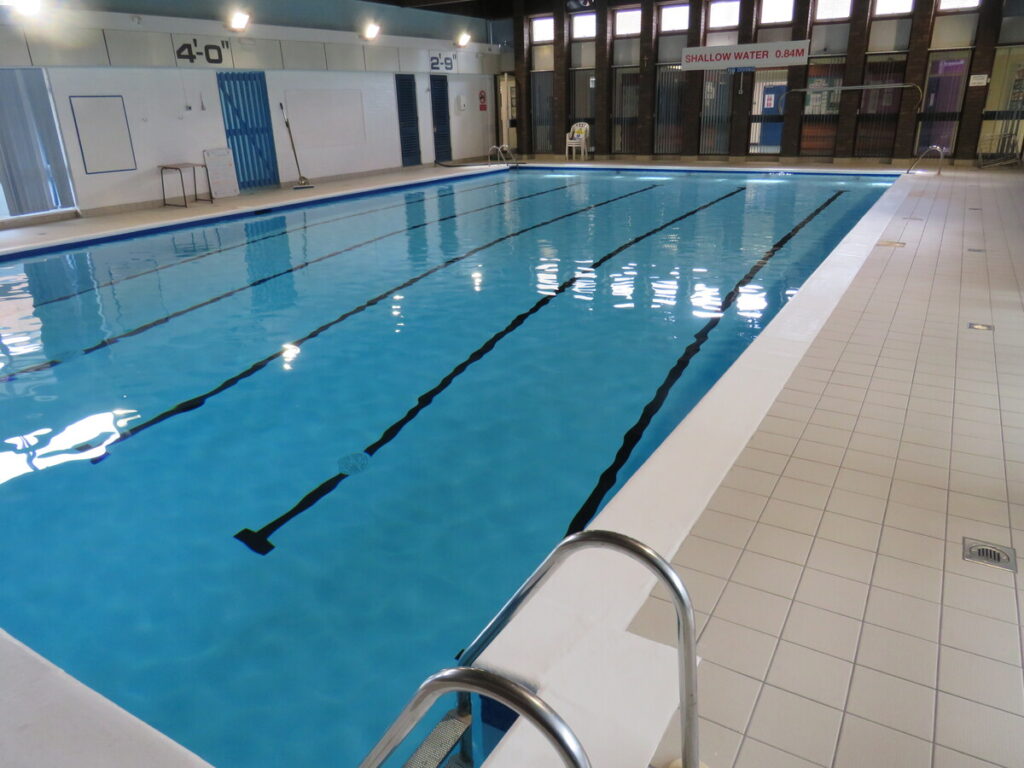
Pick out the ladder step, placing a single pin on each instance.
(441, 741)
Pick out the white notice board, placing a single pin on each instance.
(220, 164)
(103, 134)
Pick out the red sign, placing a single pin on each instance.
(483, 101)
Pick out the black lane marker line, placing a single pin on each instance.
(249, 242)
(198, 401)
(259, 541)
(111, 340)
(634, 433)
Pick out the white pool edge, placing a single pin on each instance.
(616, 690)
(575, 624)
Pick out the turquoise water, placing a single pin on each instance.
(161, 393)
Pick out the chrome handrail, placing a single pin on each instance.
(685, 626)
(480, 681)
(871, 87)
(933, 147)
(504, 153)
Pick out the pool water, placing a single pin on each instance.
(428, 384)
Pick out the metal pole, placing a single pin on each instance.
(685, 625)
(509, 693)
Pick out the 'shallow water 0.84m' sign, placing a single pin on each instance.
(755, 55)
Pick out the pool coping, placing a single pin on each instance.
(576, 623)
(557, 641)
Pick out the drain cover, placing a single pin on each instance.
(986, 553)
(981, 326)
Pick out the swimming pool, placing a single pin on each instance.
(436, 382)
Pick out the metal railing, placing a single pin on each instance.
(871, 87)
(480, 681)
(503, 154)
(685, 626)
(932, 148)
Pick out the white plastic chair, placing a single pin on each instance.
(578, 137)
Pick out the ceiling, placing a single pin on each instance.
(484, 9)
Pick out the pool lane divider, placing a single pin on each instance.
(111, 340)
(633, 435)
(259, 541)
(200, 400)
(247, 243)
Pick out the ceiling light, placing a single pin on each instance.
(371, 30)
(463, 39)
(27, 7)
(239, 21)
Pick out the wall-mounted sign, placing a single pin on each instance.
(978, 80)
(483, 101)
(756, 55)
(442, 61)
(201, 51)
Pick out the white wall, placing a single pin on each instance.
(323, 151)
(173, 115)
(472, 129)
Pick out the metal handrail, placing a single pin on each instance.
(933, 147)
(504, 153)
(872, 87)
(685, 626)
(480, 681)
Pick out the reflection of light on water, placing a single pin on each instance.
(622, 285)
(290, 353)
(547, 277)
(665, 290)
(83, 440)
(706, 301)
(478, 280)
(19, 345)
(586, 284)
(752, 301)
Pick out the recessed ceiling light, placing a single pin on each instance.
(27, 7)
(371, 30)
(239, 21)
(463, 39)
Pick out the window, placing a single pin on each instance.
(542, 30)
(724, 13)
(584, 25)
(674, 18)
(832, 9)
(893, 7)
(627, 22)
(956, 5)
(776, 11)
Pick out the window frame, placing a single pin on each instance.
(615, 21)
(707, 20)
(533, 22)
(679, 30)
(760, 15)
(966, 9)
(572, 26)
(876, 14)
(816, 19)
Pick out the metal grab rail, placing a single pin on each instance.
(933, 147)
(872, 87)
(685, 626)
(504, 155)
(511, 694)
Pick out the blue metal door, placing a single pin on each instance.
(442, 122)
(246, 109)
(408, 119)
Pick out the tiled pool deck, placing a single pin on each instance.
(839, 624)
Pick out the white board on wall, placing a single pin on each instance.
(103, 134)
(326, 117)
(220, 164)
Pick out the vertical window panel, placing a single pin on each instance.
(776, 11)
(584, 26)
(627, 22)
(542, 30)
(724, 13)
(891, 7)
(668, 120)
(715, 112)
(832, 9)
(766, 111)
(821, 107)
(674, 18)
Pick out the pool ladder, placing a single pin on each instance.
(502, 154)
(932, 148)
(467, 679)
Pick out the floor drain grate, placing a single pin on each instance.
(987, 553)
(981, 326)
(976, 250)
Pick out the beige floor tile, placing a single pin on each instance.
(718, 745)
(908, 578)
(981, 679)
(784, 427)
(704, 589)
(736, 647)
(809, 673)
(992, 600)
(850, 531)
(755, 754)
(765, 461)
(959, 527)
(739, 503)
(863, 483)
(898, 654)
(726, 697)
(955, 563)
(841, 560)
(801, 492)
(753, 608)
(991, 511)
(812, 451)
(979, 485)
(777, 712)
(948, 758)
(918, 495)
(916, 520)
(975, 729)
(833, 593)
(707, 556)
(769, 441)
(723, 528)
(914, 451)
(864, 744)
(981, 635)
(883, 446)
(778, 542)
(811, 471)
(751, 480)
(768, 573)
(903, 613)
(793, 517)
(858, 505)
(925, 474)
(892, 701)
(863, 461)
(822, 630)
(917, 548)
(656, 620)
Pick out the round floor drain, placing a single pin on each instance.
(987, 553)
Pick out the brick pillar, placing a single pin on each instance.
(849, 102)
(693, 89)
(989, 21)
(797, 78)
(560, 84)
(648, 72)
(917, 72)
(603, 79)
(743, 89)
(524, 120)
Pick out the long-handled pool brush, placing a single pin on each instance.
(304, 183)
